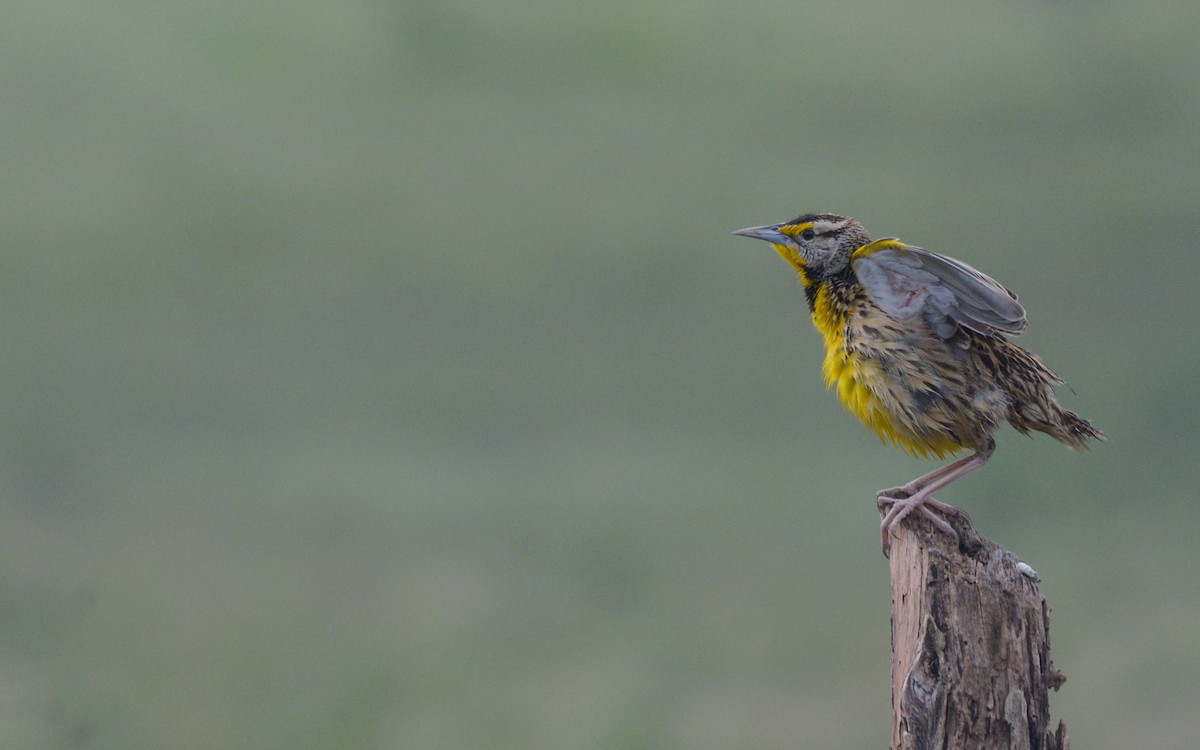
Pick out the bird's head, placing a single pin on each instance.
(816, 245)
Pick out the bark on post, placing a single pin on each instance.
(971, 666)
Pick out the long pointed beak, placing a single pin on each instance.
(770, 233)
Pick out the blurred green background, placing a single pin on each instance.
(384, 375)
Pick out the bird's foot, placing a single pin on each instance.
(886, 498)
(900, 501)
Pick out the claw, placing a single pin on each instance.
(918, 495)
(927, 507)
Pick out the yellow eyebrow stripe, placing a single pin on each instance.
(794, 230)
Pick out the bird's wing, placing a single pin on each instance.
(908, 281)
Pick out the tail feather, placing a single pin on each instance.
(1075, 431)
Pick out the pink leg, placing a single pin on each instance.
(918, 495)
(934, 475)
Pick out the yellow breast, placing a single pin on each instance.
(861, 384)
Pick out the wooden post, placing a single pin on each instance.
(971, 665)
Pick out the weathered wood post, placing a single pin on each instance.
(971, 666)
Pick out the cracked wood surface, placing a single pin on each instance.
(971, 666)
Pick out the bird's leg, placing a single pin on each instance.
(918, 495)
(888, 496)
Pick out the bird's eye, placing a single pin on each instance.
(807, 234)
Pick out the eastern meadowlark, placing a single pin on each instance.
(915, 346)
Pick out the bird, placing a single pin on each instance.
(917, 347)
